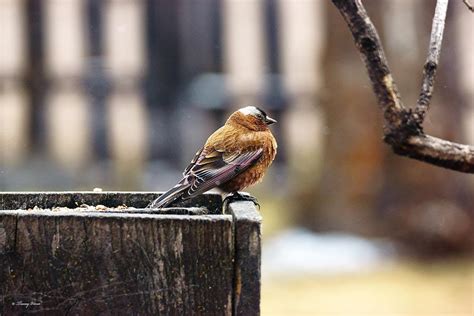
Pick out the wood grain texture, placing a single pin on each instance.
(27, 200)
(89, 263)
(247, 235)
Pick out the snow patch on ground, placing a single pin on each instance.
(299, 251)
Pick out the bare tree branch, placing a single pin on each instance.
(468, 5)
(402, 128)
(438, 152)
(431, 64)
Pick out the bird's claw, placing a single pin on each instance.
(236, 197)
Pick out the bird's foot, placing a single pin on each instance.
(238, 196)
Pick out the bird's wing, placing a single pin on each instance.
(212, 167)
(193, 162)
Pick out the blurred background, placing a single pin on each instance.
(120, 94)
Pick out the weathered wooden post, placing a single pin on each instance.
(86, 253)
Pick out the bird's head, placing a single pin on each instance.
(252, 118)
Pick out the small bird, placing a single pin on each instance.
(234, 157)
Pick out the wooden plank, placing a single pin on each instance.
(65, 46)
(14, 122)
(60, 260)
(115, 263)
(48, 200)
(124, 46)
(69, 143)
(14, 108)
(7, 236)
(84, 262)
(244, 51)
(12, 60)
(247, 245)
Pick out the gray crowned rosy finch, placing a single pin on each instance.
(234, 157)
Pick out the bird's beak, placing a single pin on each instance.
(269, 120)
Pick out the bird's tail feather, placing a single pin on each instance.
(169, 196)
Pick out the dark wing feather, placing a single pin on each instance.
(215, 167)
(193, 162)
(208, 169)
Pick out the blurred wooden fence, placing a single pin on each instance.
(138, 80)
(85, 83)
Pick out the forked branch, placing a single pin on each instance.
(431, 64)
(402, 126)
